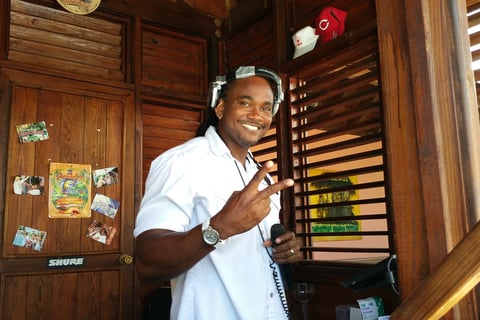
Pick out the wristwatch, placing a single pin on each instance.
(210, 235)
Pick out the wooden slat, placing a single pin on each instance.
(160, 110)
(64, 41)
(56, 40)
(77, 32)
(47, 50)
(473, 19)
(74, 67)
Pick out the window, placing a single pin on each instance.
(473, 12)
(341, 211)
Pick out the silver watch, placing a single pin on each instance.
(210, 235)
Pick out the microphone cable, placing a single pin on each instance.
(272, 263)
(276, 279)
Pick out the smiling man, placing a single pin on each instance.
(205, 219)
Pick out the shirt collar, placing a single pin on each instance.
(219, 147)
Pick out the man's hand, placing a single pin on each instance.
(286, 248)
(246, 208)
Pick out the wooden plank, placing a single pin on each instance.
(65, 41)
(17, 299)
(115, 141)
(77, 32)
(39, 292)
(46, 111)
(70, 143)
(18, 208)
(167, 141)
(95, 144)
(181, 113)
(87, 59)
(110, 289)
(153, 123)
(68, 66)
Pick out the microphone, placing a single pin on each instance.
(276, 230)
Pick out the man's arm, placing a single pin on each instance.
(164, 254)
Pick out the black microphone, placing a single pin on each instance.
(276, 230)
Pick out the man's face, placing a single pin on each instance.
(245, 114)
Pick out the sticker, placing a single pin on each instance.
(105, 205)
(33, 185)
(29, 238)
(101, 232)
(32, 132)
(371, 308)
(69, 187)
(105, 177)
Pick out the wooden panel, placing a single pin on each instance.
(90, 295)
(55, 39)
(259, 50)
(174, 62)
(164, 127)
(87, 124)
(81, 130)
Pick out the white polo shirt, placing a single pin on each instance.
(185, 186)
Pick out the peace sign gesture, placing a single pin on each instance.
(246, 208)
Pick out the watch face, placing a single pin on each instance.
(80, 6)
(210, 237)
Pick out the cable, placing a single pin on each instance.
(390, 276)
(281, 293)
(276, 278)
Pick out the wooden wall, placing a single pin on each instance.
(115, 89)
(156, 64)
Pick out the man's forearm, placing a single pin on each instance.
(163, 254)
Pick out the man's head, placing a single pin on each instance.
(245, 112)
(218, 87)
(221, 86)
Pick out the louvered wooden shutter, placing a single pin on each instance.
(340, 197)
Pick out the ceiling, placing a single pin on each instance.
(232, 14)
(216, 8)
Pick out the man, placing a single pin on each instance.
(205, 219)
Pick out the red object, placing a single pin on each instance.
(330, 23)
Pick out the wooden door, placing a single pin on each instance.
(71, 276)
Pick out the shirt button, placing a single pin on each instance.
(271, 294)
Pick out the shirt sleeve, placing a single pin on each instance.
(168, 199)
